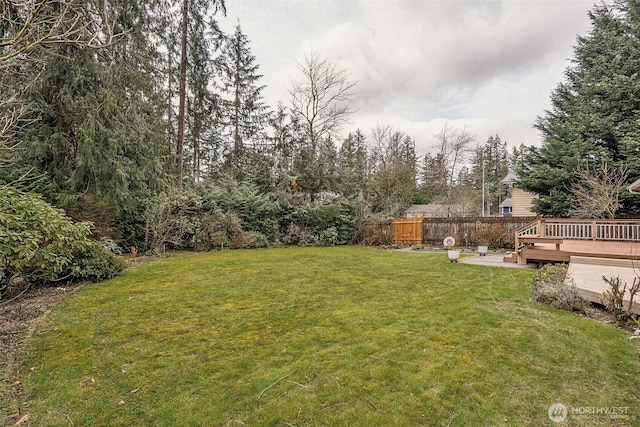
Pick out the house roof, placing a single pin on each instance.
(635, 187)
(511, 178)
(507, 203)
(434, 209)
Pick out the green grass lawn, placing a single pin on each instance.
(322, 336)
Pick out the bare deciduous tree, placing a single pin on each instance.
(597, 192)
(392, 182)
(322, 97)
(453, 146)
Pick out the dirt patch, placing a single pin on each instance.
(18, 318)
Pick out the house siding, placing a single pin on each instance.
(522, 202)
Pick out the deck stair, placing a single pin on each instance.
(511, 257)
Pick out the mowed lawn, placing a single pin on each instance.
(344, 336)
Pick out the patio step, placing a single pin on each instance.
(510, 257)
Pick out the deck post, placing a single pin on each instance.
(541, 229)
(594, 230)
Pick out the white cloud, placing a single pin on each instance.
(487, 65)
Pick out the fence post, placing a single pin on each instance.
(594, 230)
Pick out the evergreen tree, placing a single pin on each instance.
(198, 29)
(491, 161)
(203, 139)
(352, 164)
(97, 134)
(285, 140)
(244, 112)
(392, 184)
(595, 115)
(434, 176)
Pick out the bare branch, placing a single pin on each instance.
(30, 28)
(453, 146)
(597, 192)
(322, 97)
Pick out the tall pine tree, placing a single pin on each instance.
(595, 115)
(244, 114)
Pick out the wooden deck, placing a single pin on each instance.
(562, 252)
(557, 240)
(593, 248)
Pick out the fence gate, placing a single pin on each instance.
(407, 231)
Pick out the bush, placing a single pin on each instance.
(257, 212)
(217, 230)
(329, 237)
(374, 231)
(111, 246)
(249, 240)
(329, 224)
(613, 299)
(298, 235)
(492, 235)
(549, 288)
(36, 239)
(39, 244)
(94, 261)
(171, 219)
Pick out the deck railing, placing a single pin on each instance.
(587, 229)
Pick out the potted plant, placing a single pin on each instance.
(453, 254)
(486, 237)
(483, 249)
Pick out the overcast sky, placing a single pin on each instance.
(489, 66)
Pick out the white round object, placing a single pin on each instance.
(449, 241)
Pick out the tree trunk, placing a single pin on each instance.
(183, 91)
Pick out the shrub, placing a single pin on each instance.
(327, 224)
(255, 211)
(171, 219)
(333, 223)
(329, 237)
(94, 261)
(111, 245)
(217, 231)
(549, 287)
(298, 235)
(36, 239)
(39, 244)
(492, 235)
(374, 231)
(249, 240)
(613, 299)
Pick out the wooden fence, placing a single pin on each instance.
(407, 231)
(468, 231)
